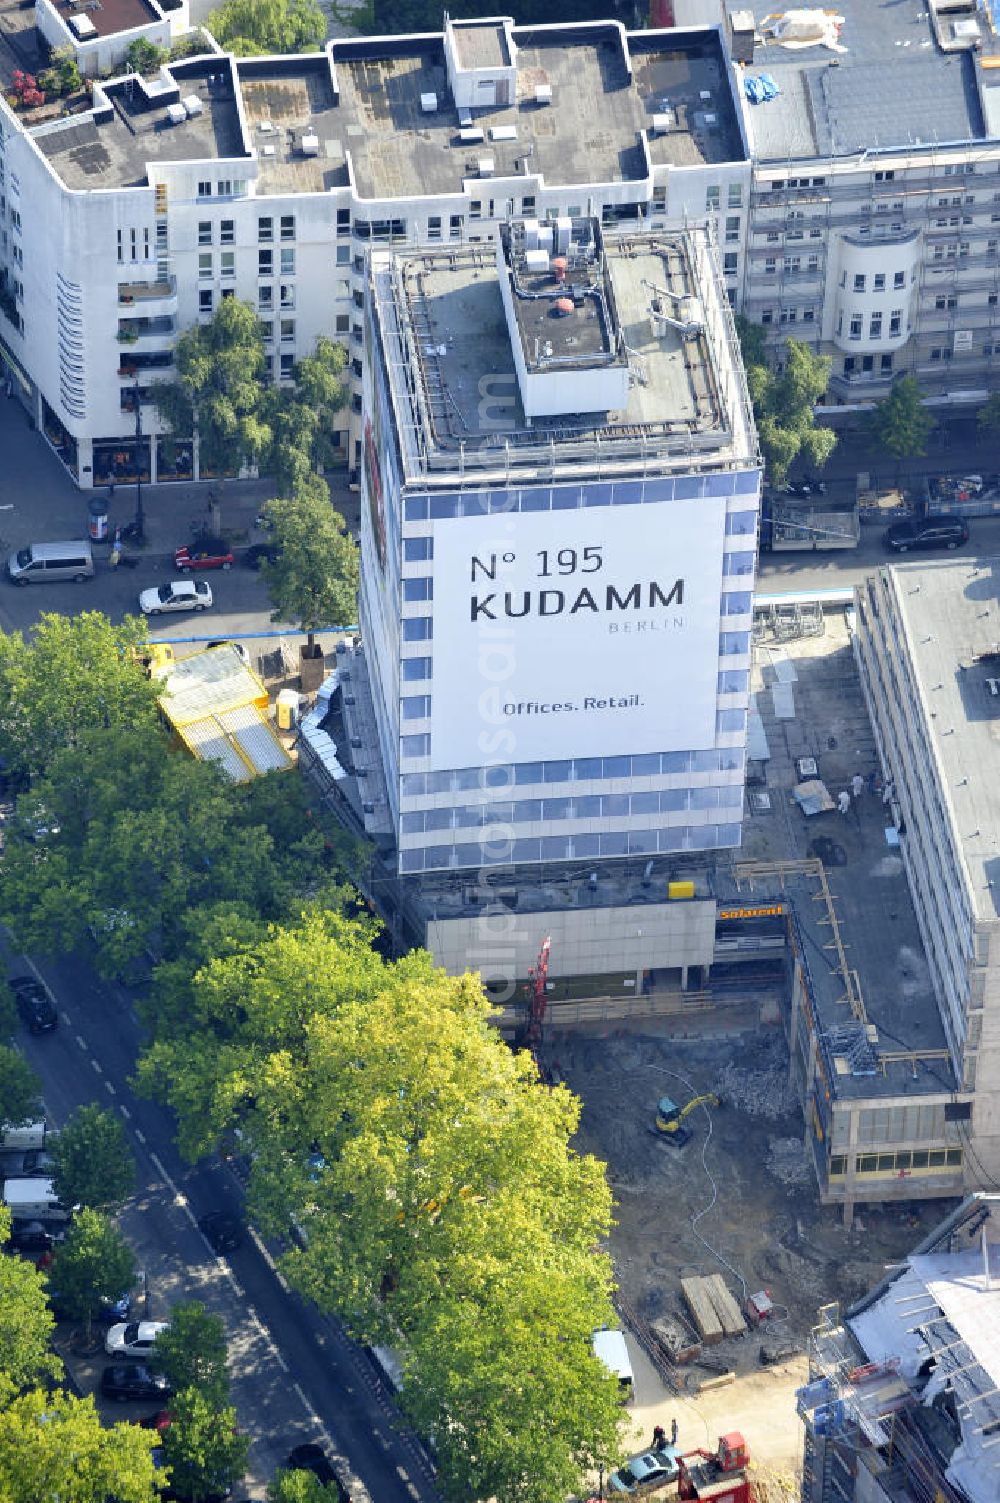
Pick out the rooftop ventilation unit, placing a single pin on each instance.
(543, 93)
(993, 688)
(464, 118)
(536, 260)
(429, 103)
(503, 133)
(83, 27)
(531, 234)
(265, 127)
(193, 105)
(310, 144)
(662, 121)
(471, 135)
(176, 114)
(487, 166)
(268, 151)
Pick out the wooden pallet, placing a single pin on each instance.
(703, 1311)
(726, 1308)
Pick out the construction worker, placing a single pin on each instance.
(673, 1432)
(659, 1438)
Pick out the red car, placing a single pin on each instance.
(204, 553)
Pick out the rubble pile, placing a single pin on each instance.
(786, 1160)
(759, 1093)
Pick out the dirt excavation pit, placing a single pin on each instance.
(766, 1222)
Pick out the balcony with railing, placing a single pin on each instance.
(154, 298)
(147, 334)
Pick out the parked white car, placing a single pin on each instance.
(176, 595)
(133, 1338)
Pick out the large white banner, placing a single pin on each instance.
(576, 633)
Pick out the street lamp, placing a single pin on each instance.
(140, 520)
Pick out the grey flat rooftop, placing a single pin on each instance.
(951, 611)
(88, 152)
(282, 101)
(589, 133)
(877, 921)
(481, 45)
(892, 86)
(454, 299)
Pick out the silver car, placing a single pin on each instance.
(176, 595)
(646, 1472)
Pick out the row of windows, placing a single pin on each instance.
(727, 722)
(860, 283)
(133, 244)
(587, 806)
(788, 315)
(222, 188)
(418, 706)
(875, 321)
(571, 848)
(731, 644)
(475, 503)
(265, 263)
(578, 770)
(866, 364)
(919, 1161)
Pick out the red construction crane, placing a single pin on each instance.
(536, 1009)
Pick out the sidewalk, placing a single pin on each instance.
(38, 499)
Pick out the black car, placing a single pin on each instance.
(36, 1007)
(131, 1380)
(222, 1231)
(801, 489)
(312, 1458)
(32, 1236)
(261, 553)
(926, 532)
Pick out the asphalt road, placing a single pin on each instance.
(295, 1375)
(841, 568)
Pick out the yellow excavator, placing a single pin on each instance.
(670, 1117)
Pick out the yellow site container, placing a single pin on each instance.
(683, 889)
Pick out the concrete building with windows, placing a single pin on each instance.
(903, 1399)
(269, 179)
(928, 645)
(560, 490)
(858, 208)
(874, 227)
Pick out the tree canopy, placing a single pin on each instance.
(784, 402)
(249, 27)
(443, 1207)
(56, 1446)
(304, 420)
(26, 1324)
(95, 1263)
(191, 1352)
(144, 839)
(219, 392)
(988, 416)
(314, 579)
(92, 1164)
(202, 1446)
(20, 1088)
(72, 674)
(900, 423)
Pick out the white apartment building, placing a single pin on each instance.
(874, 230)
(268, 179)
(928, 639)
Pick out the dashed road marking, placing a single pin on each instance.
(125, 1111)
(110, 1088)
(96, 1066)
(385, 1444)
(67, 1020)
(402, 1474)
(413, 1491)
(281, 1361)
(81, 1041)
(255, 1238)
(140, 1135)
(305, 1402)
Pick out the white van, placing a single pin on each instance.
(610, 1348)
(46, 563)
(23, 1138)
(33, 1200)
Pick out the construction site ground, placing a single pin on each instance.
(741, 1198)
